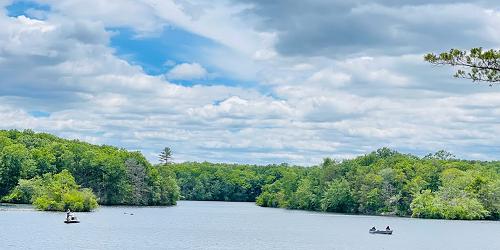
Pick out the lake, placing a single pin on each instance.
(235, 225)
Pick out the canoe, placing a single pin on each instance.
(380, 231)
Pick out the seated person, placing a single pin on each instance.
(388, 228)
(373, 229)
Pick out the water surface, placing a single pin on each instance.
(224, 225)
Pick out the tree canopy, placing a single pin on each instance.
(383, 182)
(114, 175)
(56, 174)
(476, 64)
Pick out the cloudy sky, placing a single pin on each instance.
(252, 81)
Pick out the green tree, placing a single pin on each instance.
(476, 64)
(338, 197)
(455, 199)
(165, 155)
(25, 191)
(115, 175)
(54, 193)
(425, 206)
(165, 190)
(44, 160)
(306, 197)
(138, 178)
(12, 159)
(441, 155)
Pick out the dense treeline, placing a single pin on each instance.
(223, 182)
(382, 182)
(387, 182)
(115, 176)
(56, 174)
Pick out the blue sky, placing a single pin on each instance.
(18, 8)
(250, 81)
(159, 52)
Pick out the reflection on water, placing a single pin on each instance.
(223, 225)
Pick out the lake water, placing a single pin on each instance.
(224, 225)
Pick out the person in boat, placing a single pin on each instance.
(387, 228)
(373, 229)
(70, 215)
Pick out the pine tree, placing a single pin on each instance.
(165, 155)
(476, 64)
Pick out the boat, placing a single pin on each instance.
(71, 219)
(75, 220)
(380, 231)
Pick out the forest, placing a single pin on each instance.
(56, 174)
(383, 182)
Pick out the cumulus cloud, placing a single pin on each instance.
(336, 28)
(329, 77)
(310, 93)
(187, 71)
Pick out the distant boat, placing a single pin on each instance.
(380, 231)
(71, 219)
(75, 220)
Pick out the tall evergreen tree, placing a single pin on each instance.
(165, 156)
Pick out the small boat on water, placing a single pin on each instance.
(380, 231)
(72, 221)
(71, 218)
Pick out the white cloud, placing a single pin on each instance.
(236, 107)
(264, 54)
(187, 71)
(328, 77)
(298, 109)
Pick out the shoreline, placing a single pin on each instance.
(30, 207)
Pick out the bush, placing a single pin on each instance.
(430, 205)
(24, 192)
(57, 192)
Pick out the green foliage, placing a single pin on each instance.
(53, 193)
(165, 155)
(114, 175)
(25, 191)
(338, 197)
(271, 196)
(39, 168)
(13, 159)
(437, 206)
(164, 187)
(387, 182)
(222, 182)
(476, 64)
(139, 189)
(382, 182)
(307, 196)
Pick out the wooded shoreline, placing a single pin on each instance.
(57, 174)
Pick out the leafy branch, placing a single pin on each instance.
(476, 64)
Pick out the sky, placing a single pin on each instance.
(251, 81)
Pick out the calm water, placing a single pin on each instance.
(222, 225)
